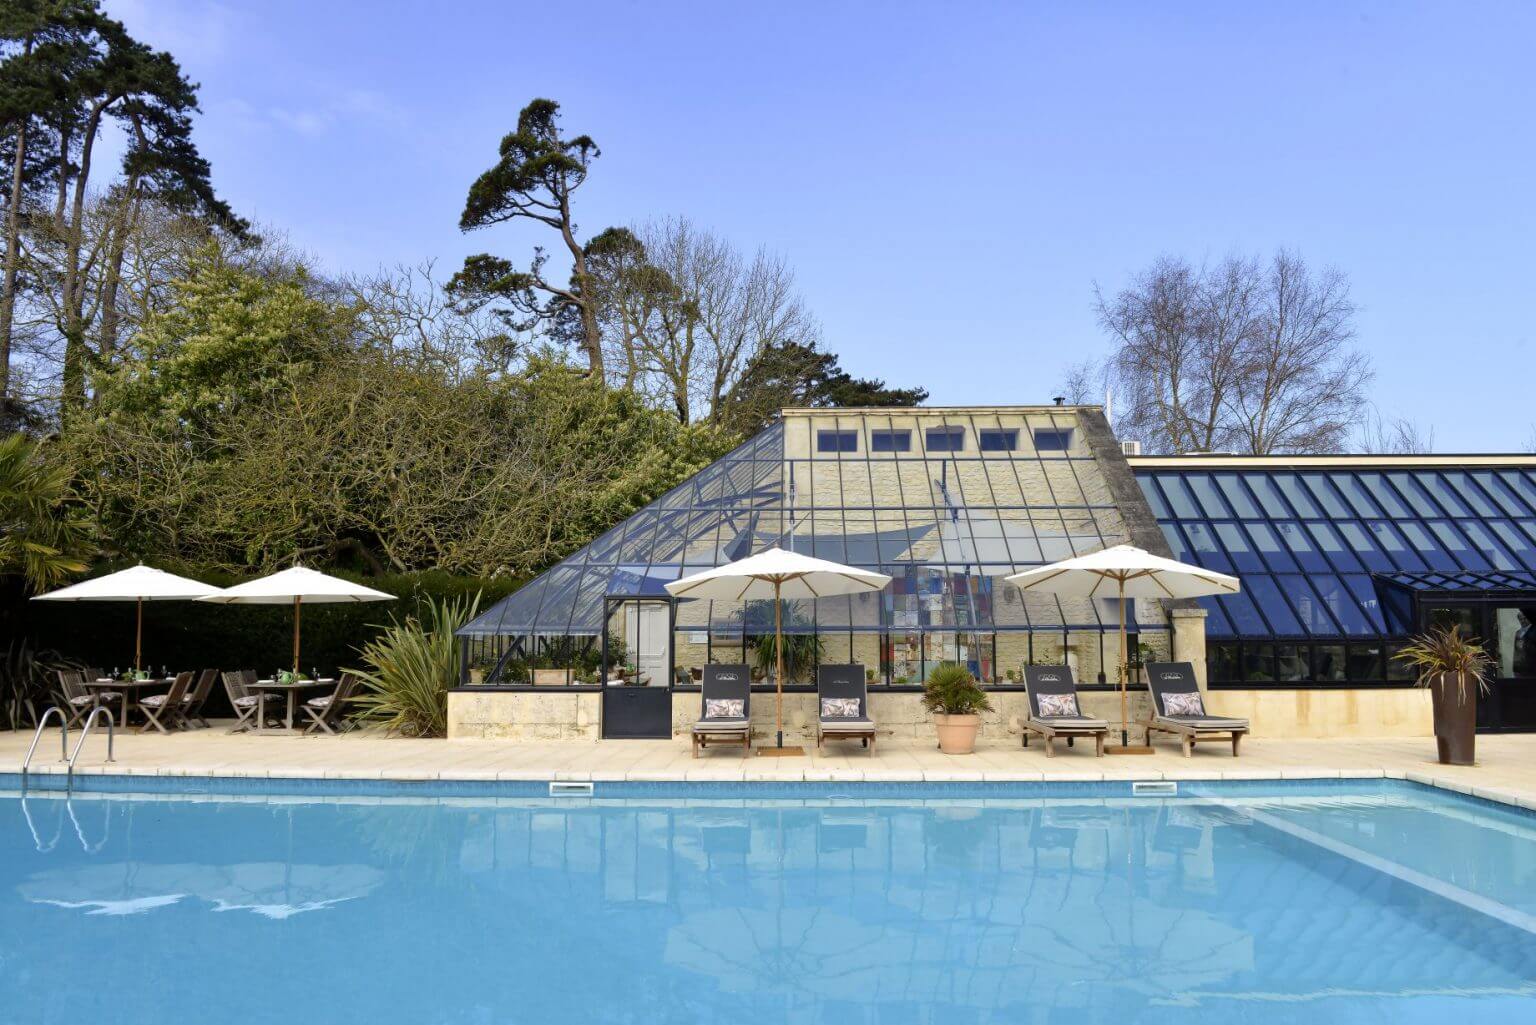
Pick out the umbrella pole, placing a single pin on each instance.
(1124, 671)
(778, 648)
(138, 637)
(296, 601)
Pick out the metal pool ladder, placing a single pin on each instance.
(85, 732)
(42, 724)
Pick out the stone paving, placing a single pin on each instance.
(1506, 769)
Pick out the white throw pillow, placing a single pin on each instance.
(1185, 703)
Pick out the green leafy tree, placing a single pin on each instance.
(42, 537)
(538, 171)
(793, 374)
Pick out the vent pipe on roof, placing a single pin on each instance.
(1060, 400)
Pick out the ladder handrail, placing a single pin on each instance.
(85, 733)
(38, 735)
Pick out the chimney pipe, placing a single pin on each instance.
(1060, 400)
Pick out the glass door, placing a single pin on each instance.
(637, 668)
(1508, 632)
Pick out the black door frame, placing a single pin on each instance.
(1491, 716)
(638, 713)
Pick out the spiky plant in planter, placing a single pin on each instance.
(956, 701)
(1455, 669)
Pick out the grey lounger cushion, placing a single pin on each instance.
(721, 725)
(1205, 722)
(845, 724)
(1074, 722)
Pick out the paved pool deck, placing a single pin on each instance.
(1506, 769)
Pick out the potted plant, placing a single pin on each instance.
(956, 702)
(1455, 669)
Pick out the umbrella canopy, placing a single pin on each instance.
(1129, 572)
(139, 585)
(777, 574)
(296, 585)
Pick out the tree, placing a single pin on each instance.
(538, 172)
(41, 536)
(1245, 355)
(789, 374)
(1396, 437)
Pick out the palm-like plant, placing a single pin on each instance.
(952, 690)
(39, 537)
(1445, 652)
(411, 666)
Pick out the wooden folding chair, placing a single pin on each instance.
(76, 701)
(325, 711)
(166, 710)
(197, 697)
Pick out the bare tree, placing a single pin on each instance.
(1082, 383)
(1244, 356)
(1399, 436)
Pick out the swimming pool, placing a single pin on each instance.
(1263, 903)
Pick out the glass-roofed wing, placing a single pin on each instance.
(1322, 552)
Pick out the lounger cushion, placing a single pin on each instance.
(843, 723)
(839, 708)
(1052, 705)
(1206, 722)
(736, 725)
(724, 708)
(1183, 703)
(1072, 722)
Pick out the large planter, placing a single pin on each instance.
(1455, 708)
(957, 733)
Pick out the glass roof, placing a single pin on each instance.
(946, 524)
(1311, 546)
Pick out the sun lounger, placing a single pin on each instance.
(725, 708)
(1054, 710)
(842, 691)
(1178, 708)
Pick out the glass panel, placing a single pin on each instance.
(1513, 644)
(1207, 552)
(1154, 495)
(1178, 496)
(1216, 623)
(1359, 540)
(1392, 542)
(837, 441)
(1258, 663)
(997, 440)
(1357, 495)
(1205, 491)
(1328, 664)
(1364, 592)
(1236, 494)
(1384, 493)
(1482, 538)
(1268, 545)
(1236, 543)
(1468, 493)
(1291, 487)
(1519, 542)
(1432, 554)
(1440, 488)
(1245, 618)
(1365, 663)
(1333, 546)
(1312, 611)
(1397, 670)
(1297, 541)
(1291, 663)
(1266, 594)
(890, 441)
(1221, 663)
(1341, 605)
(1177, 544)
(1269, 497)
(1456, 543)
(1052, 440)
(1327, 496)
(1501, 493)
(1414, 494)
(1523, 484)
(945, 439)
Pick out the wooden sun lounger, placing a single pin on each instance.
(847, 682)
(724, 683)
(1050, 681)
(1165, 678)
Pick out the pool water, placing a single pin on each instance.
(1361, 904)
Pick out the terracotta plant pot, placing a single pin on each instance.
(957, 733)
(1455, 707)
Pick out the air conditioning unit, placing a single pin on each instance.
(1131, 448)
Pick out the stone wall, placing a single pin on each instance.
(524, 715)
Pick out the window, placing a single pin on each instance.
(998, 440)
(1053, 439)
(945, 439)
(890, 441)
(837, 441)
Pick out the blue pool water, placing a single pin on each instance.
(1369, 903)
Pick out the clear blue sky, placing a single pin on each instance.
(949, 181)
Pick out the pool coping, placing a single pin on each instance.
(528, 782)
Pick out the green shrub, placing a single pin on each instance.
(410, 668)
(952, 690)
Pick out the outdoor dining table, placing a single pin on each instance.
(130, 690)
(293, 690)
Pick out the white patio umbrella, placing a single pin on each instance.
(297, 585)
(139, 585)
(777, 574)
(1130, 572)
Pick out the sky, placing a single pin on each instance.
(949, 181)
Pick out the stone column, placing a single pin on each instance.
(1189, 639)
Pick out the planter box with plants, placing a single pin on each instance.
(956, 701)
(1455, 669)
